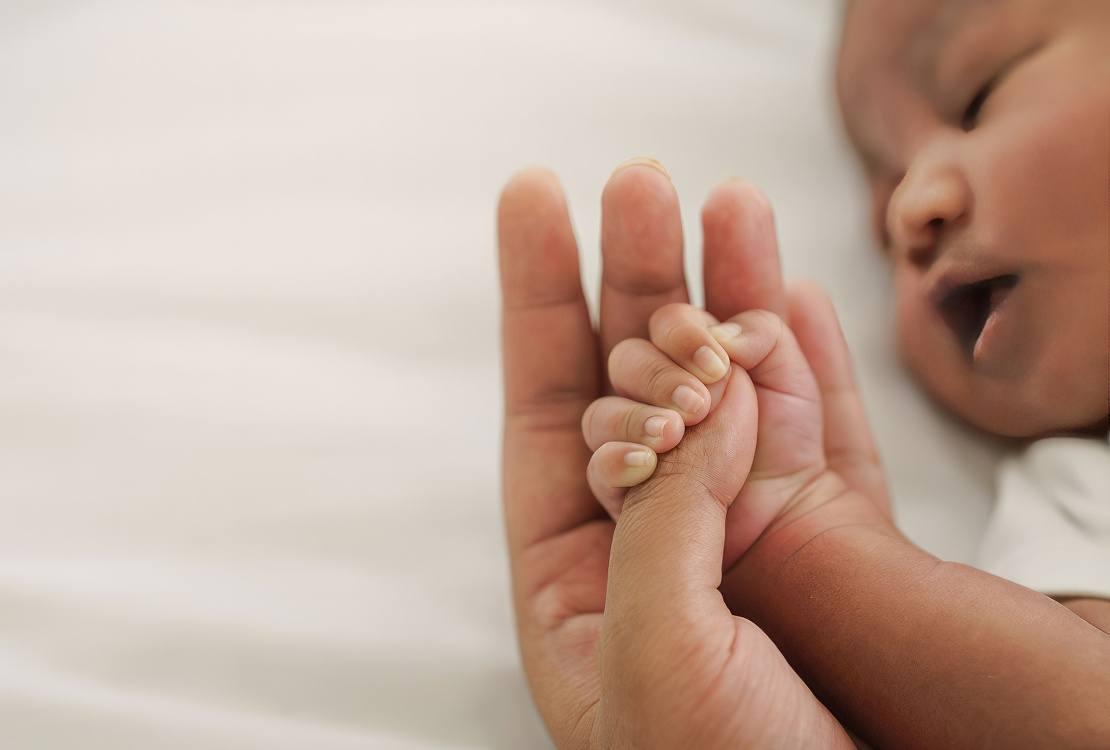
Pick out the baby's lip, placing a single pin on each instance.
(962, 271)
(967, 300)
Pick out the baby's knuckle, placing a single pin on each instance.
(658, 376)
(619, 353)
(588, 418)
(767, 320)
(671, 339)
(662, 315)
(628, 421)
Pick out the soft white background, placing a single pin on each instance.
(249, 379)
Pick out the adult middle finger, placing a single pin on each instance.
(641, 248)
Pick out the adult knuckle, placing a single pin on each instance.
(639, 496)
(672, 475)
(554, 412)
(672, 465)
(688, 469)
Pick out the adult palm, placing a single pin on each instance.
(624, 635)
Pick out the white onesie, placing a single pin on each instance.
(1050, 530)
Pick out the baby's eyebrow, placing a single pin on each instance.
(917, 62)
(949, 18)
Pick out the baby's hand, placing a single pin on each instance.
(671, 382)
(661, 393)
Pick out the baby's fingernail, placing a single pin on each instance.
(725, 331)
(687, 399)
(639, 458)
(654, 426)
(709, 363)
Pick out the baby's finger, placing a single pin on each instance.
(790, 431)
(762, 343)
(613, 418)
(682, 333)
(639, 371)
(613, 468)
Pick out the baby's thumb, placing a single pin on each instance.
(669, 541)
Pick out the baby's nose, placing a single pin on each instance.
(930, 199)
(924, 250)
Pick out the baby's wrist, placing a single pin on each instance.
(824, 543)
(826, 505)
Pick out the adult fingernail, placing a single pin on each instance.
(639, 458)
(725, 331)
(643, 161)
(654, 426)
(687, 399)
(709, 363)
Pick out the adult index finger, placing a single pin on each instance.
(550, 360)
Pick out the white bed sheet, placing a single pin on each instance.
(249, 379)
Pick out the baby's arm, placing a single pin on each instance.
(917, 652)
(910, 650)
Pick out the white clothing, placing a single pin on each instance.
(1051, 526)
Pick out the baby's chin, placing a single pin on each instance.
(1041, 398)
(1035, 428)
(1021, 416)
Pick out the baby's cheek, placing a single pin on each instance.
(909, 320)
(924, 346)
(1072, 377)
(1043, 165)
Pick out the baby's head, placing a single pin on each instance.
(985, 129)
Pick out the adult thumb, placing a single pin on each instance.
(668, 545)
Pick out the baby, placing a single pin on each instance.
(984, 127)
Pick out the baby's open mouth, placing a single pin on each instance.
(966, 308)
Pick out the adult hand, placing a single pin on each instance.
(624, 636)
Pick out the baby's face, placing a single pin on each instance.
(985, 129)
